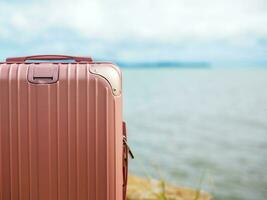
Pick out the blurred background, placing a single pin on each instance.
(195, 80)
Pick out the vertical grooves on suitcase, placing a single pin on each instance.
(88, 132)
(29, 134)
(14, 132)
(49, 139)
(96, 137)
(68, 123)
(53, 141)
(92, 182)
(37, 148)
(62, 106)
(107, 142)
(19, 131)
(10, 130)
(27, 148)
(5, 139)
(77, 129)
(57, 118)
(32, 123)
(69, 140)
(114, 149)
(22, 132)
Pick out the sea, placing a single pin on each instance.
(204, 128)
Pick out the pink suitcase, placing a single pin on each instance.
(61, 131)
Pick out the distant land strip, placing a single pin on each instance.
(164, 64)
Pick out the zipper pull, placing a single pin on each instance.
(128, 147)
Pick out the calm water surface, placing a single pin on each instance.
(200, 128)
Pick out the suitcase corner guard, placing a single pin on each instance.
(111, 74)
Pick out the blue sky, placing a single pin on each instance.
(125, 30)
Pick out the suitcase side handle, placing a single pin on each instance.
(49, 57)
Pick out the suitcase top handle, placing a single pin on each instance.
(49, 57)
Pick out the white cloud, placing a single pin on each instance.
(154, 20)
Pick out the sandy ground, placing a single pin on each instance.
(148, 189)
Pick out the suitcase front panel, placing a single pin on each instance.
(62, 140)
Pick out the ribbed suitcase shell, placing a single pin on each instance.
(60, 141)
